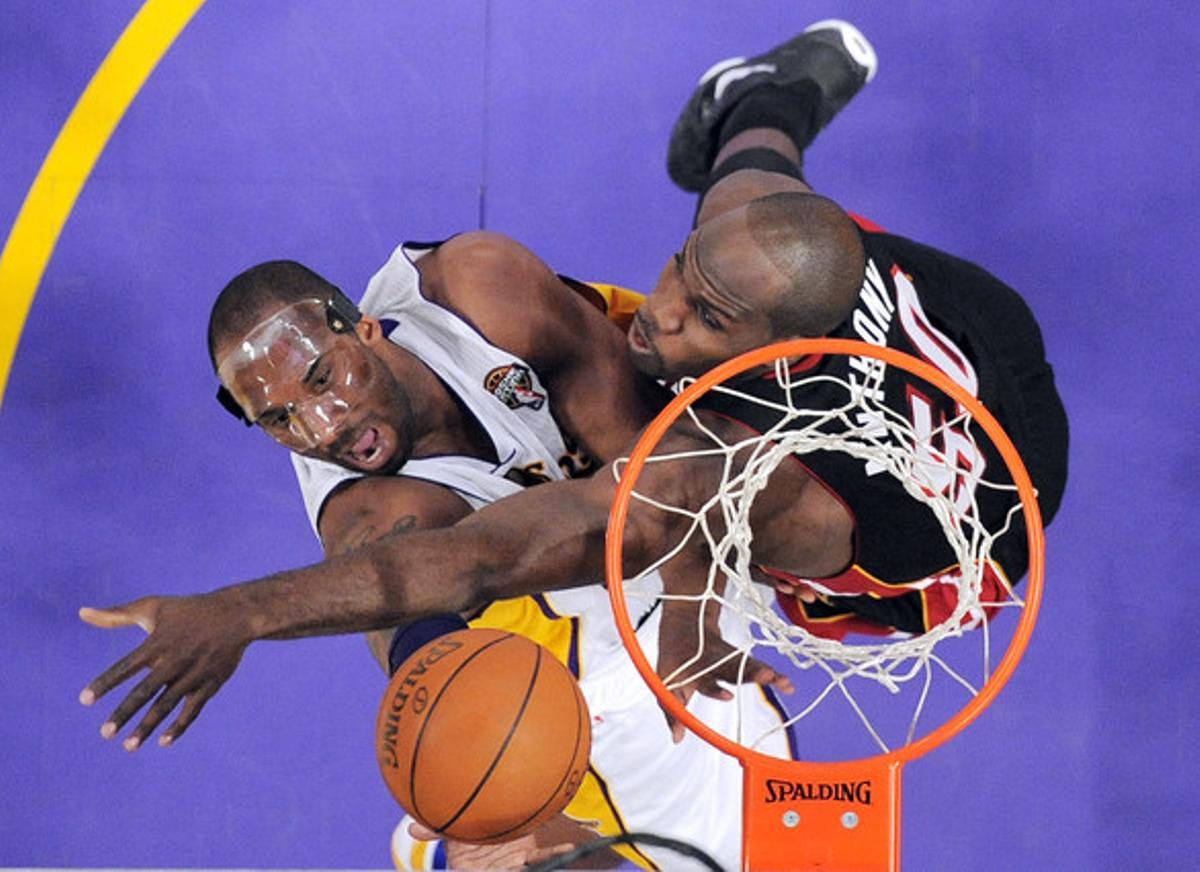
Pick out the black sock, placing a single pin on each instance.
(791, 109)
(766, 159)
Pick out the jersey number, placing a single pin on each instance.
(951, 461)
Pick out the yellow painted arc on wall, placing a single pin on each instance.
(71, 158)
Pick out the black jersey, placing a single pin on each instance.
(979, 332)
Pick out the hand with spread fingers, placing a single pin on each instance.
(193, 647)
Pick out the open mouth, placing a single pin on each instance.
(646, 356)
(367, 449)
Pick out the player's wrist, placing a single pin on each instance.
(242, 614)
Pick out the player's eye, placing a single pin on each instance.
(319, 375)
(274, 419)
(707, 318)
(678, 261)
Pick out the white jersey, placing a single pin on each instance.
(641, 781)
(501, 390)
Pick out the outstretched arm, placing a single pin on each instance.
(544, 538)
(547, 537)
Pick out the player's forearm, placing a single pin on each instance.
(548, 537)
(343, 594)
(543, 538)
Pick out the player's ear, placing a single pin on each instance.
(369, 330)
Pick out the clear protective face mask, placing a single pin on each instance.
(298, 373)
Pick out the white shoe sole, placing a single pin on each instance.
(856, 44)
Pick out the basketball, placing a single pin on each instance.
(482, 735)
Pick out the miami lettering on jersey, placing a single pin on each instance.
(941, 441)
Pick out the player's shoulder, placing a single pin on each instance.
(469, 269)
(508, 293)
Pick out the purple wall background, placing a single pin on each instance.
(1053, 145)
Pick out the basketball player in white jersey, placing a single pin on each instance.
(444, 394)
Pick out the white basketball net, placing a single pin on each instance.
(750, 619)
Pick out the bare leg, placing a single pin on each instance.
(744, 185)
(759, 137)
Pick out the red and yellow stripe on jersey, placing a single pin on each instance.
(838, 610)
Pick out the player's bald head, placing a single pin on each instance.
(783, 266)
(817, 250)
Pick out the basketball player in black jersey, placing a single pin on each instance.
(767, 259)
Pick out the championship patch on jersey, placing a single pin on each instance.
(513, 386)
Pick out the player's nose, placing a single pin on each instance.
(668, 311)
(322, 421)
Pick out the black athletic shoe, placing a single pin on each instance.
(832, 53)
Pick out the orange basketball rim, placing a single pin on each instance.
(869, 838)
